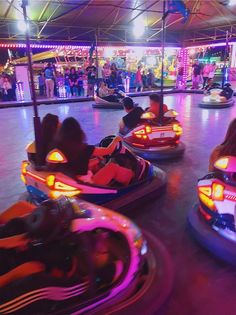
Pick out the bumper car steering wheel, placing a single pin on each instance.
(105, 142)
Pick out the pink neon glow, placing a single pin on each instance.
(49, 293)
(114, 221)
(211, 45)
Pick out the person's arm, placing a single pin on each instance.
(99, 151)
(121, 124)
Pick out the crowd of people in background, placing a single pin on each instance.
(84, 81)
(7, 87)
(202, 74)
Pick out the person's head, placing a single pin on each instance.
(50, 124)
(229, 144)
(49, 65)
(139, 67)
(154, 101)
(210, 81)
(71, 130)
(49, 127)
(128, 104)
(67, 71)
(72, 70)
(102, 84)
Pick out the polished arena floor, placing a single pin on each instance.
(203, 285)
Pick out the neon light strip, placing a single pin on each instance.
(82, 47)
(230, 197)
(41, 179)
(211, 45)
(162, 129)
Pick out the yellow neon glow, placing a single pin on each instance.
(24, 167)
(148, 115)
(148, 129)
(54, 194)
(177, 129)
(218, 192)
(140, 132)
(175, 113)
(23, 179)
(56, 156)
(222, 163)
(50, 180)
(62, 186)
(207, 201)
(205, 190)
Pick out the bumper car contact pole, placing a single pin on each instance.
(37, 123)
(162, 58)
(225, 58)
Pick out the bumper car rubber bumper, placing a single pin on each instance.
(108, 105)
(154, 288)
(145, 191)
(219, 246)
(159, 153)
(130, 199)
(226, 104)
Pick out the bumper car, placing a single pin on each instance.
(154, 141)
(101, 103)
(41, 183)
(93, 261)
(212, 221)
(215, 98)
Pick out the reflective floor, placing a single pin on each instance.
(203, 285)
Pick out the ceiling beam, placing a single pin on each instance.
(44, 10)
(143, 11)
(48, 20)
(8, 8)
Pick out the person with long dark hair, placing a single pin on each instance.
(49, 127)
(71, 141)
(226, 148)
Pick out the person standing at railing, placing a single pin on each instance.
(49, 80)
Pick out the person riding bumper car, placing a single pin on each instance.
(212, 221)
(43, 183)
(154, 141)
(108, 98)
(93, 260)
(215, 97)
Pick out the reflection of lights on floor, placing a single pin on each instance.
(24, 114)
(205, 115)
(96, 115)
(187, 104)
(64, 110)
(216, 115)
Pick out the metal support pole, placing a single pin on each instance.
(37, 123)
(96, 50)
(163, 39)
(225, 57)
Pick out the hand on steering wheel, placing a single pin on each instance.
(108, 140)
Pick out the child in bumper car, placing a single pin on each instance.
(71, 141)
(227, 147)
